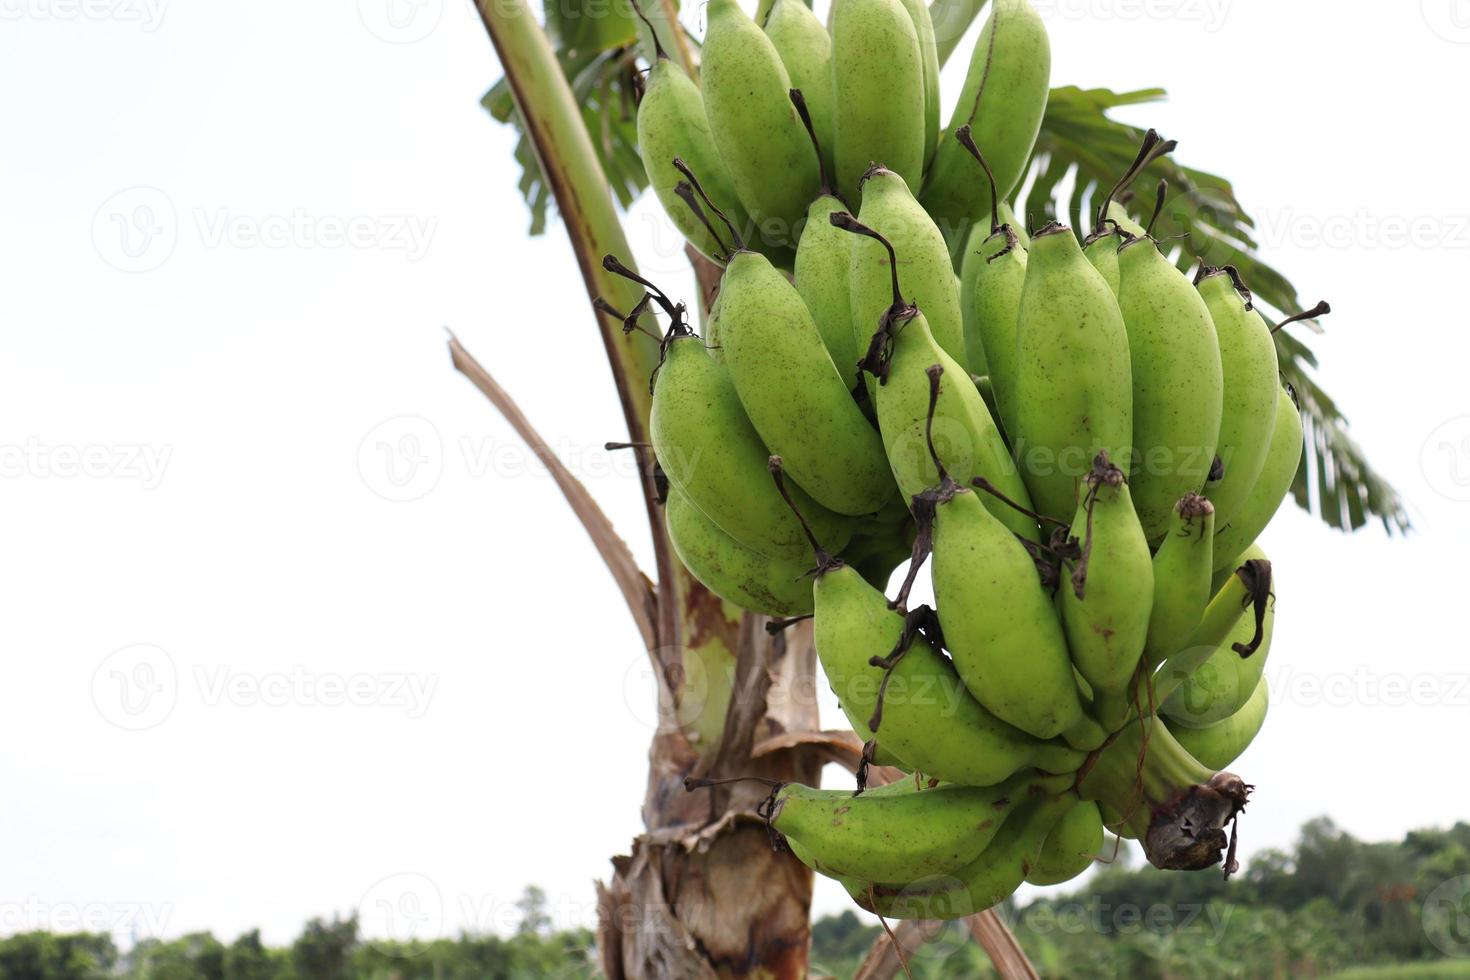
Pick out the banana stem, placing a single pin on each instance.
(1149, 786)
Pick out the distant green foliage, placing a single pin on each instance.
(1331, 906)
(1328, 905)
(325, 950)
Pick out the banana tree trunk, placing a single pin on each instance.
(702, 893)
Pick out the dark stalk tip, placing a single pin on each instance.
(825, 561)
(968, 142)
(1321, 309)
(683, 168)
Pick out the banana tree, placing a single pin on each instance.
(702, 893)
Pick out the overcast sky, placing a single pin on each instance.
(293, 623)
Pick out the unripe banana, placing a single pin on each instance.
(1074, 388)
(710, 451)
(964, 434)
(1250, 371)
(899, 836)
(732, 571)
(1102, 252)
(1177, 383)
(793, 393)
(928, 718)
(822, 261)
(1071, 847)
(1183, 567)
(991, 281)
(983, 883)
(770, 160)
(1105, 607)
(878, 92)
(1223, 742)
(672, 123)
(998, 620)
(918, 12)
(1003, 100)
(1282, 460)
(1249, 588)
(928, 274)
(1220, 686)
(805, 47)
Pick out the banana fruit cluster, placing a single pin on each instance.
(1080, 441)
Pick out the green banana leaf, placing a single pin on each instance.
(1080, 143)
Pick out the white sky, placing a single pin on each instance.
(232, 544)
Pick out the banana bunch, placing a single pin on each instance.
(1080, 441)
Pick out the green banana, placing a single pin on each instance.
(965, 435)
(1282, 460)
(928, 718)
(991, 280)
(1183, 566)
(918, 12)
(1003, 100)
(793, 393)
(770, 160)
(876, 556)
(890, 209)
(1071, 847)
(805, 47)
(672, 124)
(1248, 588)
(957, 430)
(709, 450)
(998, 621)
(983, 883)
(1222, 743)
(823, 260)
(1250, 371)
(1102, 252)
(821, 279)
(731, 570)
(1177, 382)
(1073, 383)
(1105, 608)
(878, 92)
(1220, 686)
(899, 836)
